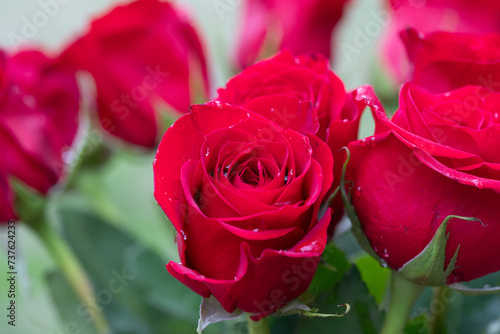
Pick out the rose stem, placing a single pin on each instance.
(403, 295)
(72, 270)
(437, 324)
(258, 327)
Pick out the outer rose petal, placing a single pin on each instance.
(283, 111)
(400, 232)
(463, 16)
(302, 27)
(140, 53)
(262, 283)
(445, 61)
(38, 117)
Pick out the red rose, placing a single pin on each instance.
(39, 103)
(302, 26)
(445, 61)
(437, 157)
(308, 78)
(427, 16)
(139, 54)
(243, 193)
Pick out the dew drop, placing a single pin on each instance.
(68, 157)
(496, 116)
(184, 236)
(306, 247)
(358, 191)
(29, 100)
(363, 142)
(383, 263)
(478, 183)
(372, 141)
(361, 90)
(345, 120)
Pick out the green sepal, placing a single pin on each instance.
(427, 268)
(313, 313)
(357, 230)
(465, 290)
(30, 205)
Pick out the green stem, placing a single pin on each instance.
(439, 307)
(258, 327)
(403, 295)
(72, 270)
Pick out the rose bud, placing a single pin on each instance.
(445, 61)
(243, 188)
(308, 78)
(426, 186)
(300, 26)
(39, 103)
(139, 54)
(463, 16)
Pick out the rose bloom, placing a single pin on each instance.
(437, 157)
(444, 61)
(308, 78)
(39, 103)
(139, 54)
(243, 189)
(427, 16)
(300, 26)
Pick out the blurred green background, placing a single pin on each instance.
(115, 227)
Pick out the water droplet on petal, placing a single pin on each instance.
(363, 142)
(372, 141)
(307, 247)
(184, 236)
(478, 183)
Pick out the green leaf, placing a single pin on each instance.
(364, 316)
(330, 271)
(418, 325)
(374, 276)
(427, 268)
(130, 282)
(77, 318)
